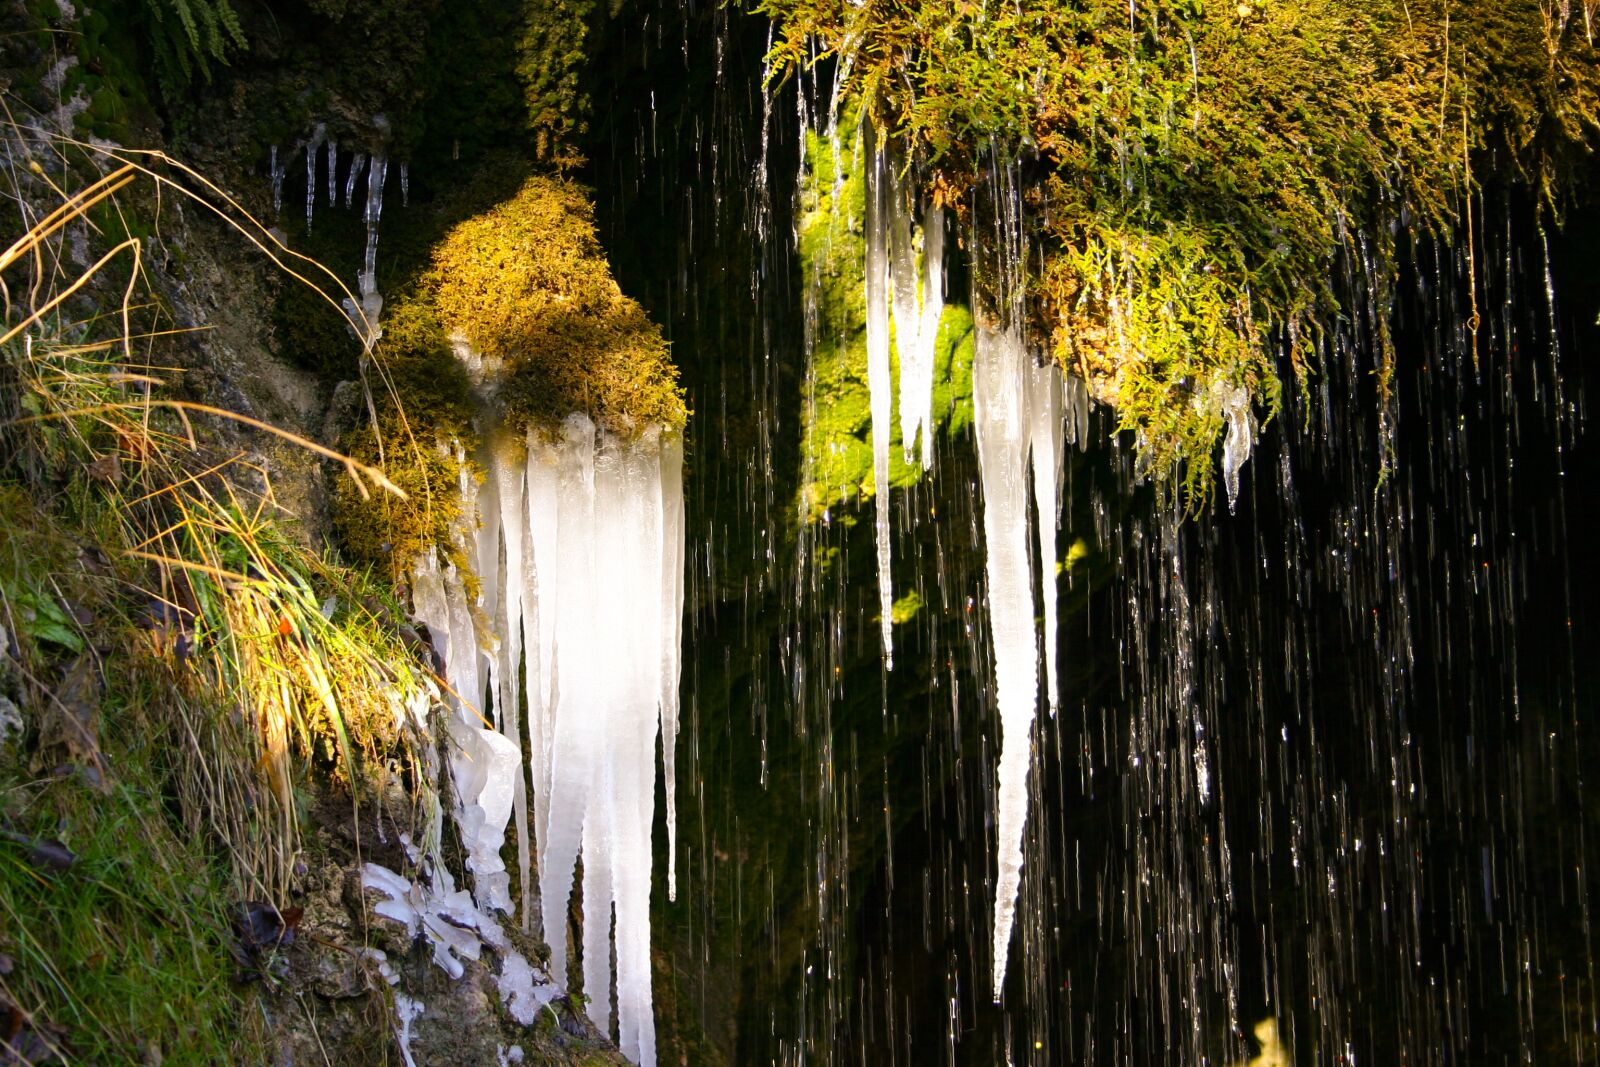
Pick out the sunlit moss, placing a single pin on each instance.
(527, 285)
(1198, 174)
(526, 288)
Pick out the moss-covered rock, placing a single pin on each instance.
(527, 286)
(1198, 174)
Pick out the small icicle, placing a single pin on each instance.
(356, 166)
(1234, 401)
(405, 185)
(275, 171)
(333, 173)
(878, 380)
(1045, 440)
(311, 172)
(918, 306)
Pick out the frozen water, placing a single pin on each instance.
(1001, 390)
(878, 381)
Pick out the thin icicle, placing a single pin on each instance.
(918, 306)
(333, 172)
(1047, 427)
(405, 185)
(1000, 406)
(275, 172)
(508, 469)
(878, 380)
(357, 165)
(311, 172)
(672, 536)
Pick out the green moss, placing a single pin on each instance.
(838, 419)
(527, 285)
(423, 400)
(1199, 172)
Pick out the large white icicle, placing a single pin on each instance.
(508, 471)
(601, 612)
(907, 293)
(1004, 408)
(878, 382)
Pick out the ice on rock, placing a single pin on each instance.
(1017, 411)
(448, 919)
(878, 382)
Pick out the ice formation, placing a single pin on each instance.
(275, 171)
(317, 136)
(911, 300)
(580, 549)
(1234, 403)
(1021, 410)
(878, 386)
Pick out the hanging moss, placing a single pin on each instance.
(1197, 173)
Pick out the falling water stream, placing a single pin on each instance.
(1303, 773)
(994, 755)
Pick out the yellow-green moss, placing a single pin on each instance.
(527, 284)
(422, 397)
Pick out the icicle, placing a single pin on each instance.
(508, 469)
(918, 306)
(333, 172)
(1234, 400)
(1045, 439)
(544, 480)
(405, 185)
(356, 166)
(311, 172)
(672, 535)
(276, 172)
(1076, 430)
(1000, 406)
(878, 383)
(376, 173)
(573, 740)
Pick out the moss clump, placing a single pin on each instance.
(527, 285)
(1197, 173)
(423, 400)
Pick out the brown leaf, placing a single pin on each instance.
(107, 468)
(70, 717)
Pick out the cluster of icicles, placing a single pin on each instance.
(375, 169)
(1025, 415)
(572, 651)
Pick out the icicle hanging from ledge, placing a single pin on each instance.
(912, 301)
(581, 553)
(1024, 416)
